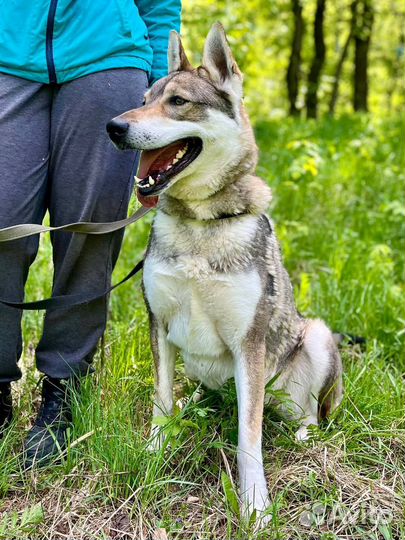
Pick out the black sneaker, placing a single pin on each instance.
(6, 406)
(47, 437)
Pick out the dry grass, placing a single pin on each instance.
(351, 503)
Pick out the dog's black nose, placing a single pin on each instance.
(117, 129)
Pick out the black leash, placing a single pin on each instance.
(59, 302)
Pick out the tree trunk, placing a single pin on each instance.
(362, 38)
(317, 61)
(341, 61)
(294, 66)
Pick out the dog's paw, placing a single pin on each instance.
(305, 432)
(262, 520)
(256, 501)
(302, 434)
(157, 439)
(186, 400)
(261, 517)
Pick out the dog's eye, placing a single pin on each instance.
(177, 100)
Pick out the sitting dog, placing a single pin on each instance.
(214, 281)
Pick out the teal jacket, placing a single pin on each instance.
(55, 41)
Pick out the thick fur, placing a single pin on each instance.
(214, 280)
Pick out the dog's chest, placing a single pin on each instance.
(206, 312)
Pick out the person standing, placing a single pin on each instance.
(66, 68)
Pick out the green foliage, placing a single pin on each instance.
(230, 493)
(356, 183)
(21, 524)
(260, 35)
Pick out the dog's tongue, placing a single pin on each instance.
(153, 162)
(148, 202)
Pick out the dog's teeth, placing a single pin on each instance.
(169, 167)
(175, 161)
(151, 181)
(137, 180)
(181, 152)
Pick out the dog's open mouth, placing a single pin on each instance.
(159, 166)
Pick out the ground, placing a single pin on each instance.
(339, 212)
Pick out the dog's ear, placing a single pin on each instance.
(219, 62)
(177, 58)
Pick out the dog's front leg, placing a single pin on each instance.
(164, 354)
(249, 378)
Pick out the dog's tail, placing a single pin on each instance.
(331, 394)
(348, 339)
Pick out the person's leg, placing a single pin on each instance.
(24, 156)
(90, 181)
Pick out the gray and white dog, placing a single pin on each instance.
(214, 281)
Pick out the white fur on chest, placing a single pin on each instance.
(207, 314)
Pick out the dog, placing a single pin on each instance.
(214, 282)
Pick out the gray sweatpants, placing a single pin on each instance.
(55, 155)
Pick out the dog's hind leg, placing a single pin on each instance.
(314, 377)
(164, 355)
(249, 379)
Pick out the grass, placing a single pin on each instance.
(339, 209)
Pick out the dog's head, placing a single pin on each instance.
(192, 130)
